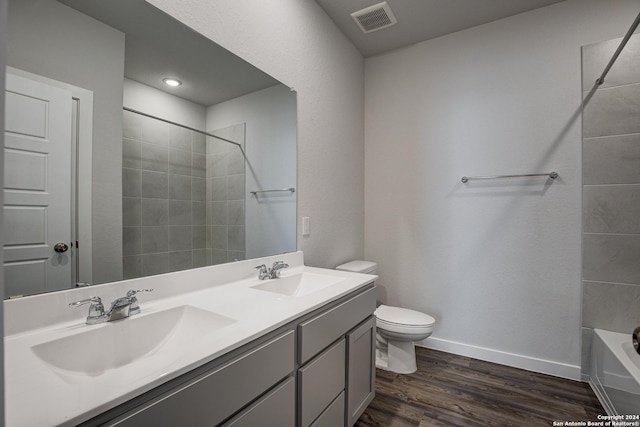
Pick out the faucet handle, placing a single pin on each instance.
(134, 308)
(96, 310)
(263, 272)
(132, 292)
(96, 300)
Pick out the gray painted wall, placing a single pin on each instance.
(270, 146)
(611, 192)
(497, 263)
(85, 53)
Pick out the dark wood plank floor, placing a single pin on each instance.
(451, 390)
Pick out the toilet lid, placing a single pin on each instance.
(403, 316)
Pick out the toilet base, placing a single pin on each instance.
(396, 356)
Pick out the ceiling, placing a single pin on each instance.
(158, 46)
(420, 20)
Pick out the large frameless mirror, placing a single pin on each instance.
(110, 173)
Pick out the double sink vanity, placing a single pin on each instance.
(211, 346)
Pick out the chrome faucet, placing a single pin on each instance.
(96, 310)
(120, 308)
(274, 273)
(265, 273)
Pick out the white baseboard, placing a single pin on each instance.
(528, 363)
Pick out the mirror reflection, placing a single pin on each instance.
(111, 174)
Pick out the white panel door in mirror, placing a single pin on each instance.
(37, 187)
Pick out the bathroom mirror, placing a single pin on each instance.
(159, 178)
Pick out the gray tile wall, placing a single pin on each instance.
(226, 195)
(166, 197)
(611, 193)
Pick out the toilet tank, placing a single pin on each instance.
(359, 266)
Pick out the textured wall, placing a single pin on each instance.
(295, 42)
(497, 263)
(611, 192)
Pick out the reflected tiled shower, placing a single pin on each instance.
(183, 197)
(226, 195)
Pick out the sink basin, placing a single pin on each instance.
(111, 345)
(298, 284)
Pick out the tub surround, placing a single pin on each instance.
(611, 193)
(615, 373)
(66, 398)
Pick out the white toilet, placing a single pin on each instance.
(396, 329)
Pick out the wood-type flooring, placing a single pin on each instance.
(452, 390)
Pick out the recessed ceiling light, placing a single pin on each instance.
(172, 82)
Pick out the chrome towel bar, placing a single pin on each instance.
(255, 192)
(552, 175)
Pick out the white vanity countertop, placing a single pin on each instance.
(38, 394)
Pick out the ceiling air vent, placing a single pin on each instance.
(375, 17)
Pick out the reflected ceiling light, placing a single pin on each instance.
(171, 82)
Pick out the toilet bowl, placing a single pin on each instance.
(397, 329)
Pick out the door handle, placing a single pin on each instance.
(61, 247)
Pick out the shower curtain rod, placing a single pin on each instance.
(623, 43)
(183, 126)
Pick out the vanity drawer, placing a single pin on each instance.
(211, 398)
(318, 332)
(332, 416)
(276, 408)
(320, 381)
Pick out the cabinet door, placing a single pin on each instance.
(361, 368)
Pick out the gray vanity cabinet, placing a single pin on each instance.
(315, 371)
(209, 399)
(336, 355)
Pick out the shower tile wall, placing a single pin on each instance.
(165, 198)
(611, 192)
(226, 195)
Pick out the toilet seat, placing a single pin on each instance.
(403, 320)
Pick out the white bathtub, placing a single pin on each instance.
(615, 372)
